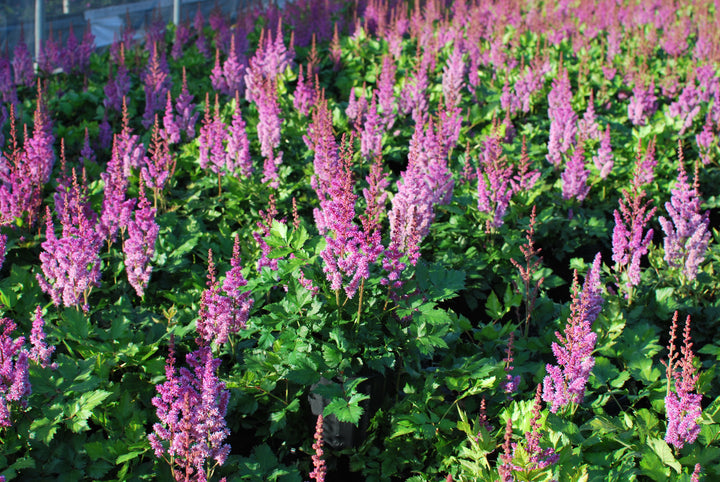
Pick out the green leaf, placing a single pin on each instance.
(493, 307)
(347, 410)
(128, 456)
(664, 452)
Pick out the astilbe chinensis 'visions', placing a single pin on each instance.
(643, 103)
(575, 175)
(139, 246)
(563, 120)
(22, 65)
(130, 147)
(268, 130)
(71, 263)
(511, 383)
(706, 140)
(224, 309)
(687, 231)
(629, 241)
(238, 145)
(604, 158)
(186, 117)
(319, 466)
(157, 84)
(191, 405)
(683, 404)
(40, 352)
(346, 254)
(494, 177)
(115, 208)
(565, 382)
(14, 378)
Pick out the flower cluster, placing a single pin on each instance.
(604, 158)
(563, 119)
(14, 379)
(687, 231)
(565, 382)
(157, 84)
(643, 103)
(71, 263)
(191, 405)
(319, 467)
(40, 352)
(139, 246)
(223, 314)
(682, 405)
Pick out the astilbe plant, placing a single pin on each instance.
(528, 456)
(494, 177)
(265, 224)
(130, 147)
(563, 120)
(117, 87)
(171, 130)
(604, 161)
(706, 140)
(687, 231)
(319, 466)
(186, 117)
(533, 261)
(224, 308)
(116, 208)
(160, 166)
(139, 246)
(565, 382)
(268, 130)
(191, 405)
(346, 253)
(14, 378)
(511, 383)
(157, 84)
(574, 177)
(71, 263)
(22, 64)
(630, 241)
(643, 103)
(40, 352)
(238, 145)
(682, 405)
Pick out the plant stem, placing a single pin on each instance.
(360, 300)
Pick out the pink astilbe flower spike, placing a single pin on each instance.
(139, 246)
(643, 103)
(14, 379)
(604, 158)
(116, 209)
(268, 130)
(565, 382)
(40, 352)
(319, 467)
(645, 165)
(304, 93)
(186, 117)
(574, 177)
(494, 182)
(629, 242)
(191, 405)
(538, 458)
(171, 130)
(22, 64)
(238, 145)
(683, 405)
(224, 309)
(160, 166)
(386, 92)
(706, 140)
(71, 263)
(687, 231)
(346, 253)
(588, 127)
(130, 147)
(511, 383)
(157, 84)
(563, 120)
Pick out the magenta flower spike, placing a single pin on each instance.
(171, 129)
(186, 117)
(682, 405)
(22, 64)
(386, 92)
(182, 35)
(160, 166)
(116, 210)
(157, 84)
(494, 182)
(346, 257)
(604, 158)
(139, 245)
(565, 382)
(372, 133)
(40, 352)
(643, 103)
(130, 148)
(268, 130)
(706, 140)
(563, 120)
(687, 232)
(511, 383)
(575, 175)
(319, 466)
(238, 145)
(14, 378)
(588, 127)
(191, 405)
(453, 79)
(71, 263)
(629, 241)
(303, 97)
(224, 309)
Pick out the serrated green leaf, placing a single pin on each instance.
(128, 456)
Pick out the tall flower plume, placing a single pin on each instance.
(139, 246)
(687, 231)
(565, 382)
(191, 405)
(683, 404)
(14, 378)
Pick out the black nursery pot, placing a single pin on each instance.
(343, 435)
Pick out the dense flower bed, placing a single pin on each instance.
(453, 241)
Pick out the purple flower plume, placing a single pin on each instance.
(40, 352)
(14, 378)
(139, 246)
(191, 405)
(575, 175)
(565, 382)
(687, 231)
(683, 405)
(186, 117)
(604, 158)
